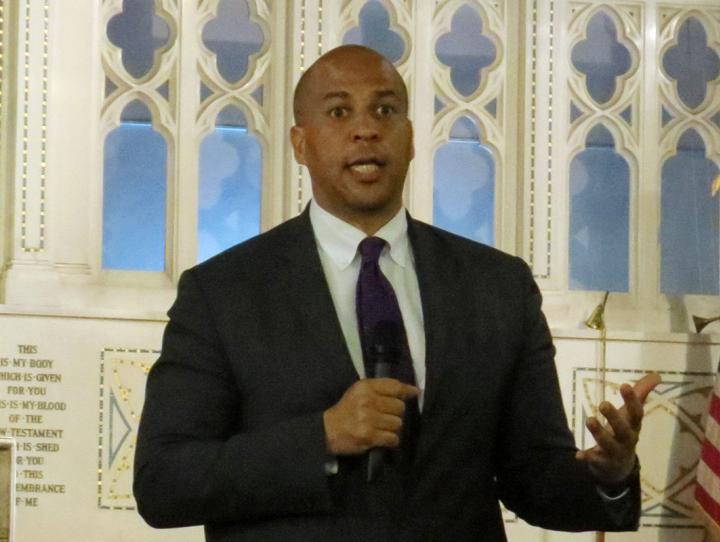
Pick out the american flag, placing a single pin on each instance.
(707, 489)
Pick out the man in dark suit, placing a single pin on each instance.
(259, 414)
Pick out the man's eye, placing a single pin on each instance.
(338, 112)
(385, 110)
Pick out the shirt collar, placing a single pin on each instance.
(339, 240)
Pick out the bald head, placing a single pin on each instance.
(345, 57)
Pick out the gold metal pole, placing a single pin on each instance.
(596, 321)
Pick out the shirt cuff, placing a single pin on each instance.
(605, 496)
(615, 492)
(331, 466)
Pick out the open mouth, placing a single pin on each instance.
(366, 165)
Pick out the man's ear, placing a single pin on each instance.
(297, 138)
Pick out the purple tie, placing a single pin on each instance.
(376, 303)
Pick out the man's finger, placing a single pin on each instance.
(386, 422)
(408, 392)
(393, 388)
(645, 385)
(592, 455)
(387, 439)
(603, 437)
(623, 428)
(389, 405)
(633, 406)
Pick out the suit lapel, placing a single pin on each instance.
(427, 266)
(303, 281)
(455, 315)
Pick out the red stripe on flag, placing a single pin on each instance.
(715, 407)
(710, 505)
(711, 456)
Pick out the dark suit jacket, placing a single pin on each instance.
(231, 434)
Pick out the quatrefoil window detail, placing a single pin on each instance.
(138, 32)
(233, 37)
(691, 63)
(601, 57)
(374, 31)
(466, 50)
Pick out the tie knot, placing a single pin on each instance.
(370, 249)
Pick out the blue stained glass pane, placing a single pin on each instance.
(575, 112)
(689, 226)
(491, 108)
(139, 33)
(464, 186)
(599, 216)
(374, 31)
(627, 115)
(601, 57)
(110, 87)
(134, 198)
(233, 37)
(205, 92)
(692, 63)
(229, 199)
(466, 50)
(666, 116)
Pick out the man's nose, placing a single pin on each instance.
(365, 129)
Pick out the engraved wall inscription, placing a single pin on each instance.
(71, 392)
(31, 413)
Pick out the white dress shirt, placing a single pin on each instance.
(337, 243)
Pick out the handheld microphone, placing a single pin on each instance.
(384, 355)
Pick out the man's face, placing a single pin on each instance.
(354, 136)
